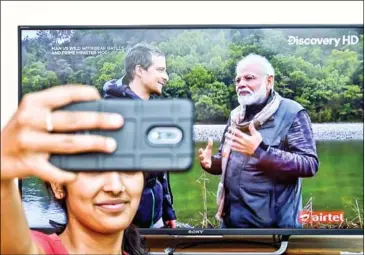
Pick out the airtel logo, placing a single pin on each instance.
(195, 231)
(321, 216)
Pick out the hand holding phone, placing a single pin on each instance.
(26, 140)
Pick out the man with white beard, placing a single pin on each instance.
(266, 149)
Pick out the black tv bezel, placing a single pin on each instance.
(194, 231)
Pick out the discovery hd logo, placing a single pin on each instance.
(334, 41)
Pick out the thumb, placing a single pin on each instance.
(49, 172)
(252, 129)
(68, 177)
(210, 144)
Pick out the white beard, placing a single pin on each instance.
(257, 97)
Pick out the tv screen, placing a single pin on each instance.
(316, 68)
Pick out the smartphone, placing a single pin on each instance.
(157, 135)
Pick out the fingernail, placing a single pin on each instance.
(111, 144)
(115, 119)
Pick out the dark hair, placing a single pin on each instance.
(140, 54)
(133, 243)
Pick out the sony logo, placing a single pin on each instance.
(195, 231)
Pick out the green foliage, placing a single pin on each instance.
(345, 62)
(177, 88)
(211, 102)
(35, 77)
(327, 80)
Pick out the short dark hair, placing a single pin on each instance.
(140, 54)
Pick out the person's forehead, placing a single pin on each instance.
(158, 60)
(250, 68)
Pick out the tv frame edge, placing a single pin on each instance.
(196, 232)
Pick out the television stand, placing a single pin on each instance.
(281, 250)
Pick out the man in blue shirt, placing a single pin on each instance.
(145, 75)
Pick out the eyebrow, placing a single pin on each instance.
(245, 75)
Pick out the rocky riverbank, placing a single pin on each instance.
(326, 131)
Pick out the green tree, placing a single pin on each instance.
(35, 77)
(63, 70)
(345, 62)
(106, 73)
(352, 104)
(202, 84)
(176, 88)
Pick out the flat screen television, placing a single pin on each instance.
(320, 67)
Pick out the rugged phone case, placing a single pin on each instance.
(135, 150)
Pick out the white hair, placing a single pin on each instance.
(256, 59)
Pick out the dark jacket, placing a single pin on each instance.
(156, 201)
(264, 191)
